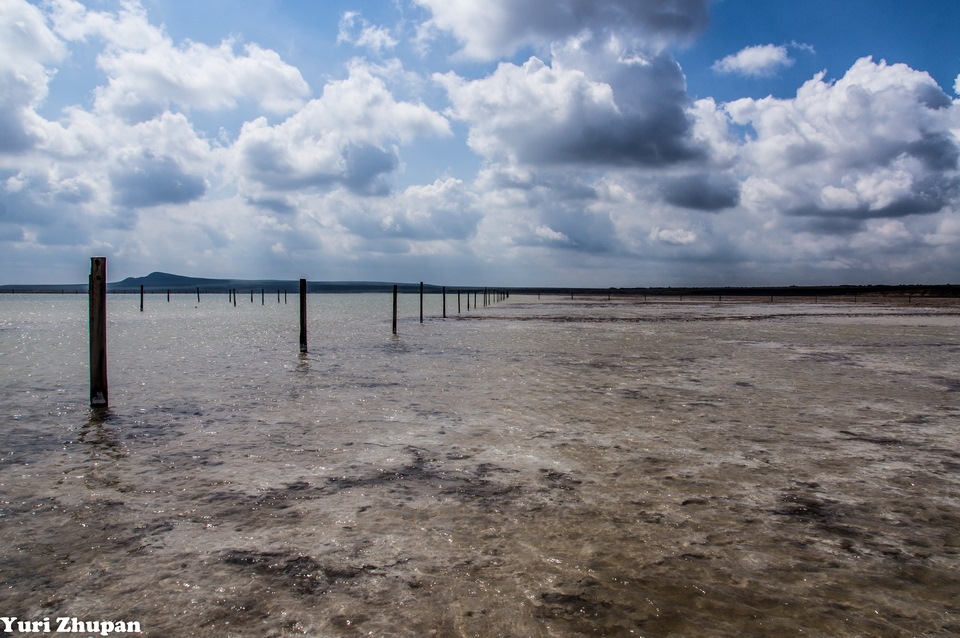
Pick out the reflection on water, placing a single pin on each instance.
(97, 434)
(558, 468)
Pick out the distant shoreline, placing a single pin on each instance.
(160, 282)
(947, 291)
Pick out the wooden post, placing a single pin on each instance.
(97, 291)
(444, 302)
(421, 302)
(263, 299)
(251, 295)
(468, 301)
(458, 302)
(394, 308)
(284, 296)
(303, 315)
(234, 297)
(278, 295)
(198, 294)
(141, 297)
(168, 295)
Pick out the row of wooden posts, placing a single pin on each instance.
(97, 291)
(489, 297)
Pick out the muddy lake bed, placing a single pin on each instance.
(539, 467)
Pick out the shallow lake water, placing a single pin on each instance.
(538, 467)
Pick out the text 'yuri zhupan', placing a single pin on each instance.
(69, 625)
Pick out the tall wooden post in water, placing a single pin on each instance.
(394, 308)
(97, 290)
(303, 315)
(141, 297)
(421, 302)
(444, 302)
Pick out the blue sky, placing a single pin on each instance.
(503, 142)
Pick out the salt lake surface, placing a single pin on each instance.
(537, 468)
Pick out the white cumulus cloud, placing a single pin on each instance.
(488, 29)
(354, 29)
(148, 73)
(875, 143)
(588, 106)
(755, 61)
(345, 137)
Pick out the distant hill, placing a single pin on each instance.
(158, 280)
(161, 282)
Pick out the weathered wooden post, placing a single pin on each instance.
(198, 294)
(234, 297)
(168, 295)
(263, 299)
(458, 302)
(468, 301)
(97, 291)
(444, 302)
(251, 295)
(284, 296)
(141, 297)
(303, 315)
(394, 308)
(278, 295)
(421, 302)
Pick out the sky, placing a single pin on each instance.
(482, 142)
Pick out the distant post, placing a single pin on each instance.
(444, 302)
(394, 308)
(141, 297)
(458, 302)
(198, 294)
(421, 302)
(97, 291)
(168, 295)
(303, 315)
(263, 299)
